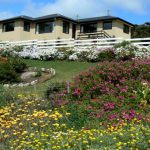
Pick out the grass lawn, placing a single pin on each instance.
(65, 71)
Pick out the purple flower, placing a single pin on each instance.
(109, 106)
(113, 117)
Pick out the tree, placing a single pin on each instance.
(141, 31)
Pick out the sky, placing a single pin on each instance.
(134, 11)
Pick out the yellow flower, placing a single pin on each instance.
(34, 124)
(85, 142)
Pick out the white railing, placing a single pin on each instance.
(107, 42)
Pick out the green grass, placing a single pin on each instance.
(65, 71)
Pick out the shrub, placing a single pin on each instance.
(107, 92)
(8, 74)
(107, 55)
(17, 48)
(17, 64)
(10, 71)
(56, 93)
(6, 96)
(125, 51)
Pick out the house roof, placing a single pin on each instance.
(102, 18)
(67, 18)
(38, 18)
(18, 17)
(53, 16)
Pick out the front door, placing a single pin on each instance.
(74, 31)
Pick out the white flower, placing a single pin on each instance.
(73, 57)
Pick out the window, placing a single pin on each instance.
(65, 27)
(7, 27)
(107, 25)
(44, 27)
(26, 26)
(126, 29)
(88, 28)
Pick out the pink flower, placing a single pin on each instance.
(121, 97)
(77, 92)
(113, 117)
(109, 106)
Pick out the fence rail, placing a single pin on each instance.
(107, 42)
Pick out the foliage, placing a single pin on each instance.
(9, 71)
(9, 51)
(18, 64)
(121, 51)
(106, 93)
(103, 108)
(6, 97)
(8, 74)
(39, 73)
(125, 50)
(107, 55)
(53, 93)
(144, 95)
(29, 123)
(141, 31)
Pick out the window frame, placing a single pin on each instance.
(105, 27)
(85, 28)
(4, 26)
(126, 29)
(66, 27)
(44, 22)
(28, 27)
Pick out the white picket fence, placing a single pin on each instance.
(107, 42)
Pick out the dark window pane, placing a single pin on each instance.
(107, 25)
(44, 27)
(7, 27)
(126, 29)
(65, 27)
(88, 28)
(26, 26)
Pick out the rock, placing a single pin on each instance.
(28, 75)
(14, 85)
(43, 69)
(26, 84)
(6, 85)
(32, 83)
(20, 84)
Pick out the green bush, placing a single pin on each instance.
(107, 55)
(10, 71)
(54, 93)
(17, 64)
(125, 51)
(6, 96)
(8, 74)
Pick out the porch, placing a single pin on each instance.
(93, 35)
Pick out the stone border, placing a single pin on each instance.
(50, 71)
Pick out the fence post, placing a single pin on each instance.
(68, 87)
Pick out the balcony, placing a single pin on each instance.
(93, 35)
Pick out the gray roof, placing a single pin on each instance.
(18, 17)
(102, 18)
(53, 16)
(64, 17)
(96, 18)
(39, 18)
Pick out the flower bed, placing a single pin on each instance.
(109, 92)
(122, 51)
(106, 107)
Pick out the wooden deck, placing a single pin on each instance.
(94, 35)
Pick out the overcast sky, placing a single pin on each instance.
(134, 11)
